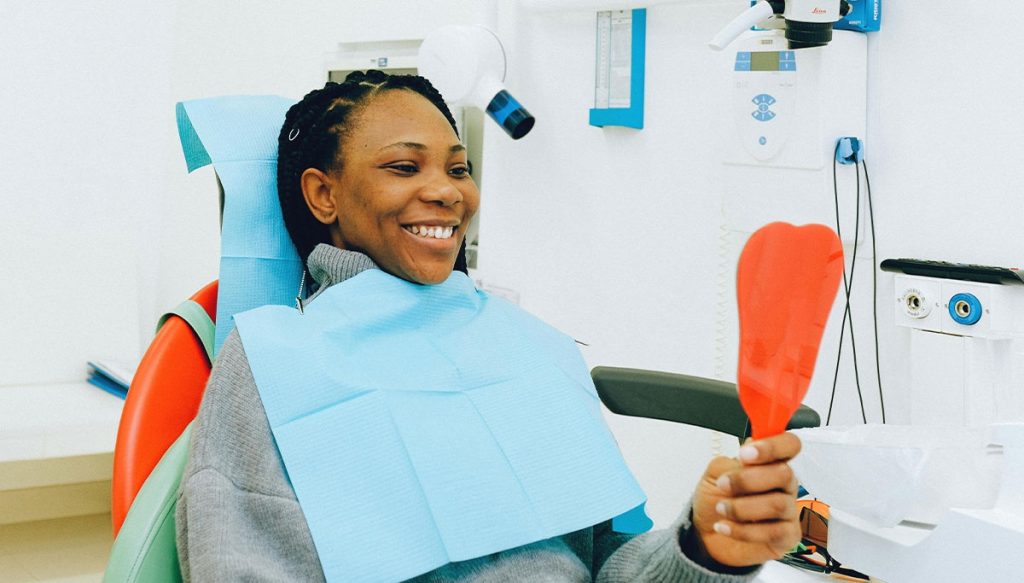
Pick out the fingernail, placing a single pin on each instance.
(748, 453)
(722, 528)
(722, 508)
(723, 484)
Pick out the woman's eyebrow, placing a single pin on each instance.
(419, 146)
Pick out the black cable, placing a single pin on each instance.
(874, 287)
(847, 287)
(842, 327)
(834, 566)
(849, 290)
(803, 561)
(799, 563)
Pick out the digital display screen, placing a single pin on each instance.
(767, 61)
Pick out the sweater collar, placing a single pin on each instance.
(330, 265)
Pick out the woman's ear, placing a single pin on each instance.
(316, 189)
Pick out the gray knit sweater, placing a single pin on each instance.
(238, 518)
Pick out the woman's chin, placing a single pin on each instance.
(431, 279)
(424, 274)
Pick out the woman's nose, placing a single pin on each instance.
(439, 189)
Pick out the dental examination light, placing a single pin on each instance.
(808, 23)
(467, 65)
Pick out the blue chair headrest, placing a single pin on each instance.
(238, 135)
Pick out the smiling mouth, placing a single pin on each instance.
(431, 232)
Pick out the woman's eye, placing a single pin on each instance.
(460, 171)
(404, 168)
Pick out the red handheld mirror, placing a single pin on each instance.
(786, 281)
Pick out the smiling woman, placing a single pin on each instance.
(404, 203)
(407, 425)
(367, 164)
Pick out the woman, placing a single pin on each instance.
(373, 180)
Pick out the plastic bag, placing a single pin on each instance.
(889, 473)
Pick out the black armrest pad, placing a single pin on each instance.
(697, 401)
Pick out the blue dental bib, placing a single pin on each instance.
(421, 425)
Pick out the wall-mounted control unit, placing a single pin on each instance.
(966, 300)
(782, 114)
(965, 326)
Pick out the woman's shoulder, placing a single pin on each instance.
(230, 402)
(231, 433)
(231, 361)
(231, 390)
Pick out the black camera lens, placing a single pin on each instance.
(803, 35)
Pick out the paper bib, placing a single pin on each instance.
(421, 425)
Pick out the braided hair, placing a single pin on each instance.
(311, 138)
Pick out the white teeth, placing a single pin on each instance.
(431, 232)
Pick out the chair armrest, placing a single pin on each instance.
(145, 550)
(680, 398)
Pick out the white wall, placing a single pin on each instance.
(612, 235)
(81, 182)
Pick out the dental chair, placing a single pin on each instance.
(152, 441)
(164, 396)
(167, 389)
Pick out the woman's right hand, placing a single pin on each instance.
(744, 509)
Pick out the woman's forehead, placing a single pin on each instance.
(401, 117)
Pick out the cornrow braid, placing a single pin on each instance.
(311, 138)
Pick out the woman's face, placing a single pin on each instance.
(403, 194)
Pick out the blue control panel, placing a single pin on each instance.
(763, 102)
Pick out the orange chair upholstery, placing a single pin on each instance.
(163, 398)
